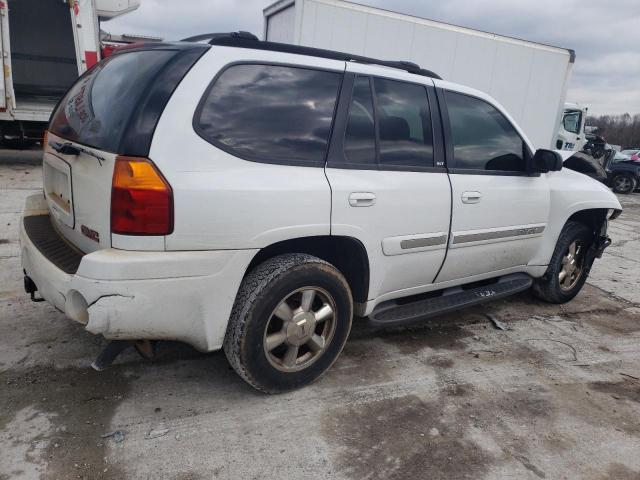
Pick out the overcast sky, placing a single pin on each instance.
(604, 33)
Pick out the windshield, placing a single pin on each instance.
(96, 110)
(572, 120)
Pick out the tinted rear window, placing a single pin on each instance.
(97, 109)
(270, 113)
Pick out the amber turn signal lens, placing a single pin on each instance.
(141, 199)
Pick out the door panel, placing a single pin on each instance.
(385, 189)
(405, 232)
(501, 230)
(499, 211)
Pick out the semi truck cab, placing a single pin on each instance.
(571, 134)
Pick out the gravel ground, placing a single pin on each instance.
(557, 396)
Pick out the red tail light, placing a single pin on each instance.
(141, 199)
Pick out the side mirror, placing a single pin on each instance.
(546, 161)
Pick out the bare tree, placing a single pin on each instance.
(621, 130)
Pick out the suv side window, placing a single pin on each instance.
(360, 134)
(483, 139)
(404, 120)
(270, 113)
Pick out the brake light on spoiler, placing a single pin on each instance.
(141, 199)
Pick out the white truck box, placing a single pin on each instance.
(529, 79)
(45, 45)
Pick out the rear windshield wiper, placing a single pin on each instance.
(68, 149)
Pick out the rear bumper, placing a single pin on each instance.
(185, 296)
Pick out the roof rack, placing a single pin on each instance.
(213, 36)
(248, 40)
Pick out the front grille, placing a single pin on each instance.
(48, 241)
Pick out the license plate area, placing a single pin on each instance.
(57, 189)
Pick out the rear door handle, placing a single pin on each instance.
(471, 197)
(362, 199)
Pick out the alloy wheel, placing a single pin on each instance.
(622, 183)
(572, 266)
(300, 329)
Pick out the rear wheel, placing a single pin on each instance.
(624, 183)
(568, 268)
(290, 321)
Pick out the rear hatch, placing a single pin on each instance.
(111, 110)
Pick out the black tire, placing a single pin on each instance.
(624, 183)
(262, 291)
(548, 288)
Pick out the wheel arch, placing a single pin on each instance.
(347, 254)
(594, 217)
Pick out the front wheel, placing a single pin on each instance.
(290, 321)
(568, 268)
(623, 183)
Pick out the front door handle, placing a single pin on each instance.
(471, 197)
(362, 199)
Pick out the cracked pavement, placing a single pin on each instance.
(555, 396)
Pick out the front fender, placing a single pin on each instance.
(570, 192)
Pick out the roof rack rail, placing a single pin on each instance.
(248, 40)
(213, 36)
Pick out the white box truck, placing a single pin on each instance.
(529, 79)
(45, 45)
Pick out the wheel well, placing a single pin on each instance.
(593, 218)
(347, 254)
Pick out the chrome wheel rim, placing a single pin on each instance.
(572, 266)
(300, 329)
(623, 183)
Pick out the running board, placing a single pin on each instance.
(393, 313)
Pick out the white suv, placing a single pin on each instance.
(256, 196)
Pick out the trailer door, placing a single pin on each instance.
(43, 54)
(4, 48)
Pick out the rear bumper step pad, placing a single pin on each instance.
(47, 240)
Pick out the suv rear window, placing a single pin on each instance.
(97, 109)
(270, 113)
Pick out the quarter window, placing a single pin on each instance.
(270, 113)
(483, 139)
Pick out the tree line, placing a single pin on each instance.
(623, 130)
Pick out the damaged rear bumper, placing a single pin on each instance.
(132, 295)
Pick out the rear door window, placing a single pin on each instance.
(96, 110)
(270, 113)
(404, 124)
(394, 132)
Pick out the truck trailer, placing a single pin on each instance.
(45, 45)
(529, 79)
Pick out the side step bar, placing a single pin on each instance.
(393, 313)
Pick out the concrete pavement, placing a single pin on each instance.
(556, 396)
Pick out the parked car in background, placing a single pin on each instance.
(633, 154)
(256, 196)
(623, 174)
